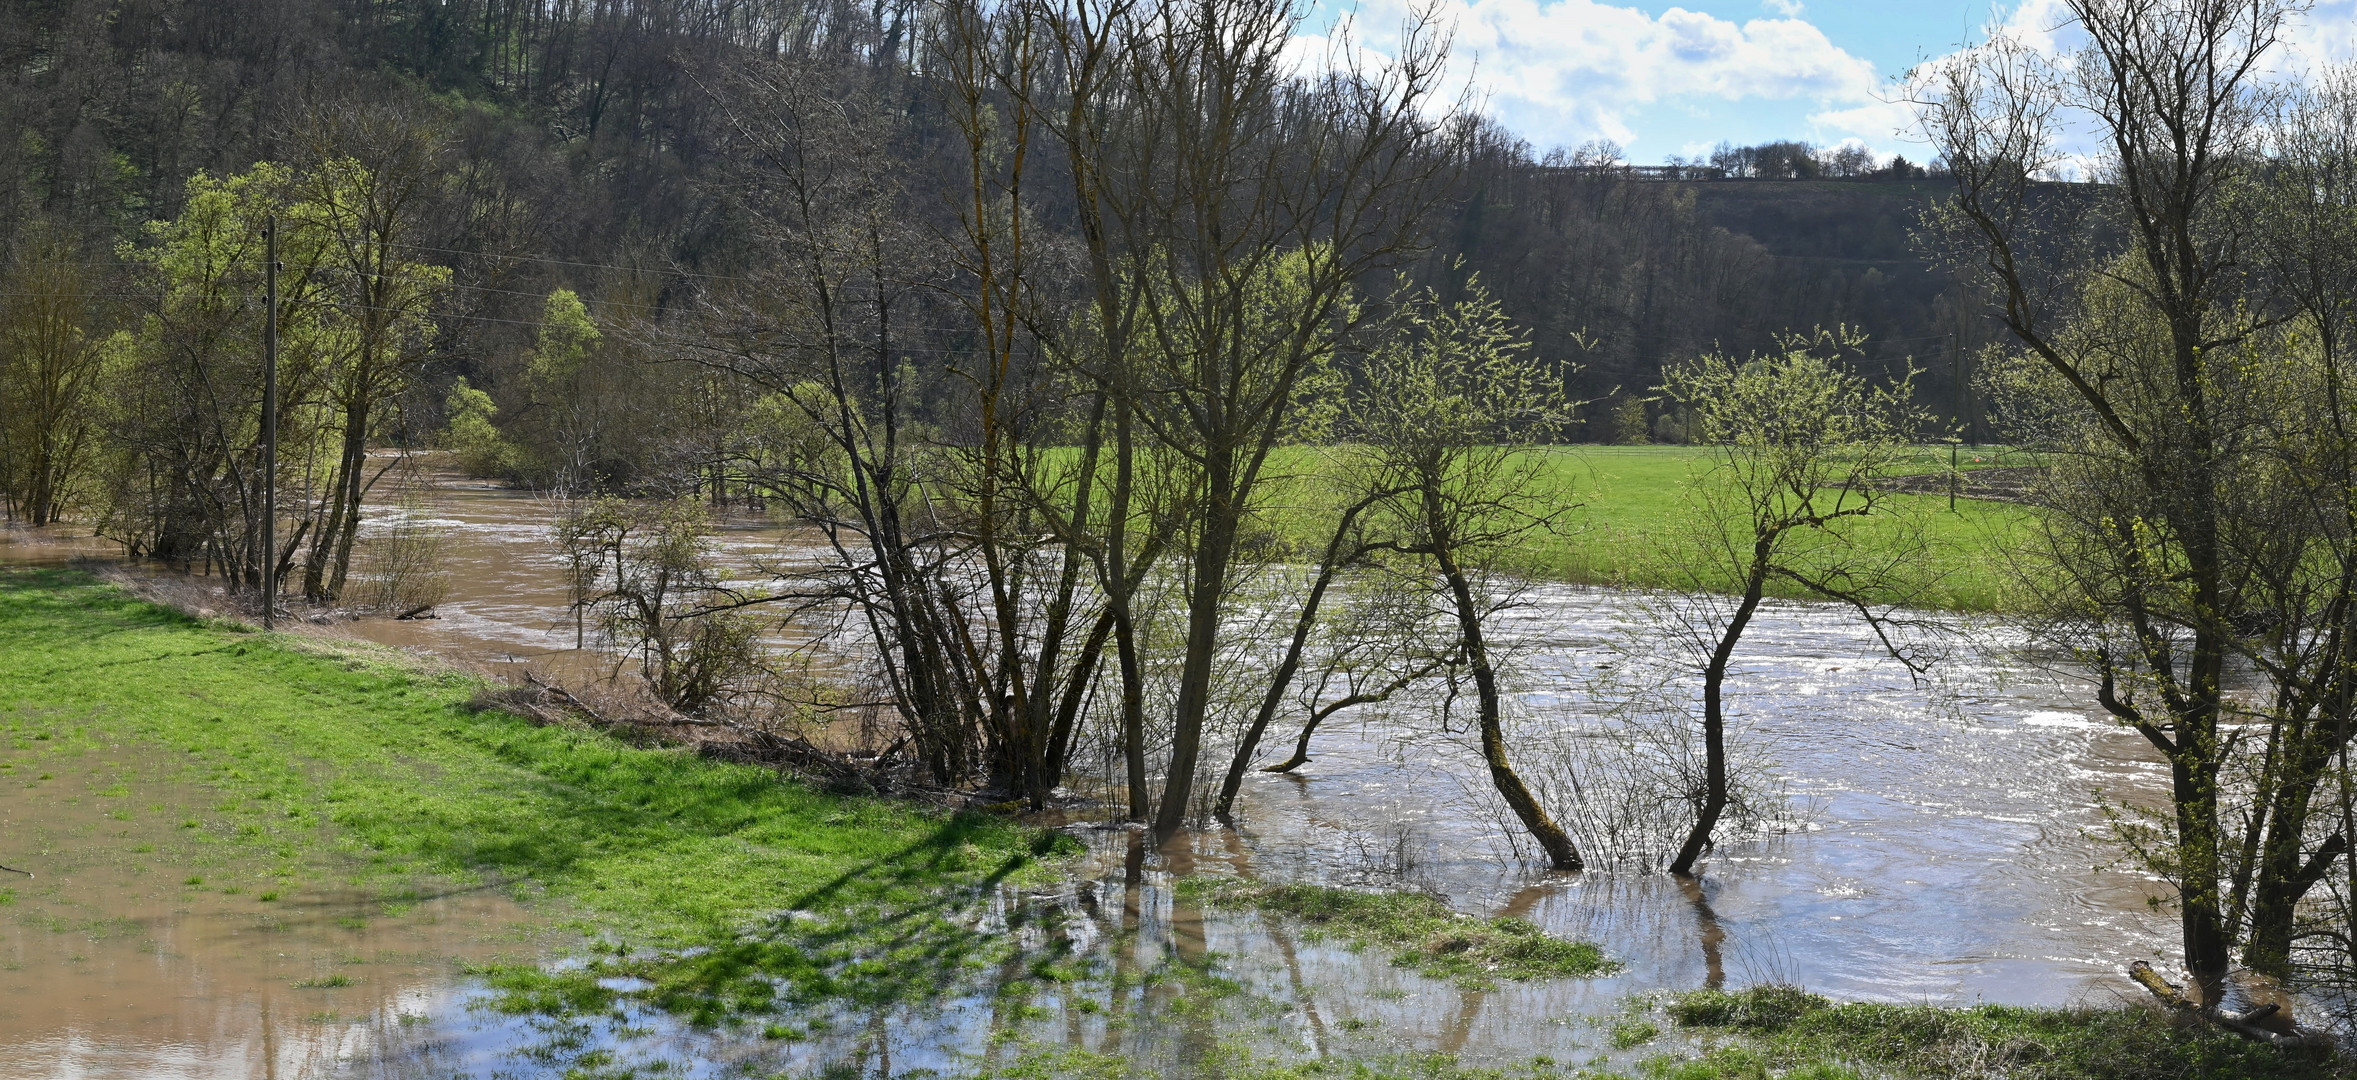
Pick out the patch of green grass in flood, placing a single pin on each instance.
(680, 862)
(1420, 931)
(1782, 1032)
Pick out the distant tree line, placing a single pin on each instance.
(1802, 161)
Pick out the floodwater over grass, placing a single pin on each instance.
(154, 943)
(501, 899)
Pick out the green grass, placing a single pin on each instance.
(1781, 1032)
(1624, 505)
(373, 765)
(1631, 497)
(1419, 931)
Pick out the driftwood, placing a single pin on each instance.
(2262, 1024)
(725, 740)
(565, 697)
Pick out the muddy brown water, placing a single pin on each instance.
(143, 949)
(1948, 852)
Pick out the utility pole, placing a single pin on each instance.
(1956, 381)
(270, 428)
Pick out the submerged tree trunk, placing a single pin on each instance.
(1214, 550)
(1714, 714)
(1561, 853)
(1332, 562)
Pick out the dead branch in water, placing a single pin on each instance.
(2262, 1024)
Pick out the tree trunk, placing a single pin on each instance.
(1117, 581)
(333, 538)
(1204, 607)
(1133, 714)
(1561, 854)
(1714, 714)
(2283, 874)
(1282, 679)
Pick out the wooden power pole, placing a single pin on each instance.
(270, 427)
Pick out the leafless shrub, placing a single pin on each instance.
(401, 572)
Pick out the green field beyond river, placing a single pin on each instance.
(1629, 513)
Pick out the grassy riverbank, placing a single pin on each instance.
(334, 765)
(1784, 1032)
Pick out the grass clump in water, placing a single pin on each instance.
(1759, 1009)
(1783, 1032)
(1421, 931)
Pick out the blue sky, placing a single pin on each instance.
(1675, 78)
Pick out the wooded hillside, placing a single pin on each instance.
(589, 136)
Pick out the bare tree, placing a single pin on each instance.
(1448, 413)
(646, 572)
(2311, 253)
(375, 172)
(1249, 204)
(820, 333)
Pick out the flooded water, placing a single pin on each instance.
(143, 949)
(1946, 850)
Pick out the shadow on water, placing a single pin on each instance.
(1712, 936)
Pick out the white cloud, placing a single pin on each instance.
(1561, 72)
(2328, 35)
(1880, 122)
(1570, 70)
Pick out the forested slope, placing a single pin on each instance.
(588, 136)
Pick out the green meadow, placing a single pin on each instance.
(1626, 514)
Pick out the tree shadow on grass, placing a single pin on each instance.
(902, 929)
(932, 937)
(659, 837)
